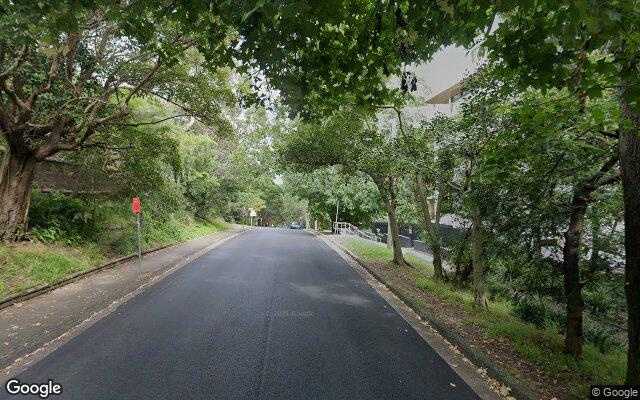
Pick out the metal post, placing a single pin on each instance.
(337, 209)
(139, 246)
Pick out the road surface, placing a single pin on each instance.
(271, 314)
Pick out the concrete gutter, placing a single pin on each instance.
(476, 356)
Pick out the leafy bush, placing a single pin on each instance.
(601, 338)
(604, 297)
(530, 310)
(57, 217)
(55, 233)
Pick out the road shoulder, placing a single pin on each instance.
(37, 326)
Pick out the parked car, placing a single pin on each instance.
(295, 225)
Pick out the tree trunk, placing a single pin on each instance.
(398, 258)
(479, 299)
(433, 232)
(390, 204)
(16, 178)
(571, 273)
(630, 168)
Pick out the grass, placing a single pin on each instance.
(29, 265)
(376, 252)
(200, 228)
(542, 346)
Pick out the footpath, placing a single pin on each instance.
(29, 327)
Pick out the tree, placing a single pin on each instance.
(417, 151)
(358, 197)
(545, 164)
(432, 223)
(351, 139)
(68, 71)
(585, 47)
(579, 45)
(460, 146)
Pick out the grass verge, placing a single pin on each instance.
(29, 265)
(530, 353)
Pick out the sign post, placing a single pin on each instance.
(136, 210)
(252, 213)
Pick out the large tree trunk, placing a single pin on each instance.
(479, 299)
(630, 168)
(15, 189)
(571, 269)
(433, 232)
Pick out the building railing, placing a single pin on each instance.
(345, 228)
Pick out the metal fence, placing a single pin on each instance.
(345, 228)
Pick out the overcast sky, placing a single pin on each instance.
(448, 67)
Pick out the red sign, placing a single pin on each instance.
(136, 205)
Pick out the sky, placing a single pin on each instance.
(449, 66)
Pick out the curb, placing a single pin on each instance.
(18, 298)
(477, 357)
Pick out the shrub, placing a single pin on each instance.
(57, 217)
(601, 338)
(530, 310)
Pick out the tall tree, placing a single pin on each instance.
(541, 172)
(69, 69)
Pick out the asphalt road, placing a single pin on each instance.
(271, 314)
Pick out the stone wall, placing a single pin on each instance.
(67, 177)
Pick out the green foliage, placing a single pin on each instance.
(602, 339)
(57, 217)
(530, 310)
(30, 266)
(357, 197)
(538, 340)
(537, 124)
(371, 251)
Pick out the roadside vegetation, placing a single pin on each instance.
(56, 254)
(522, 339)
(190, 181)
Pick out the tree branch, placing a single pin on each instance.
(144, 80)
(154, 122)
(22, 56)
